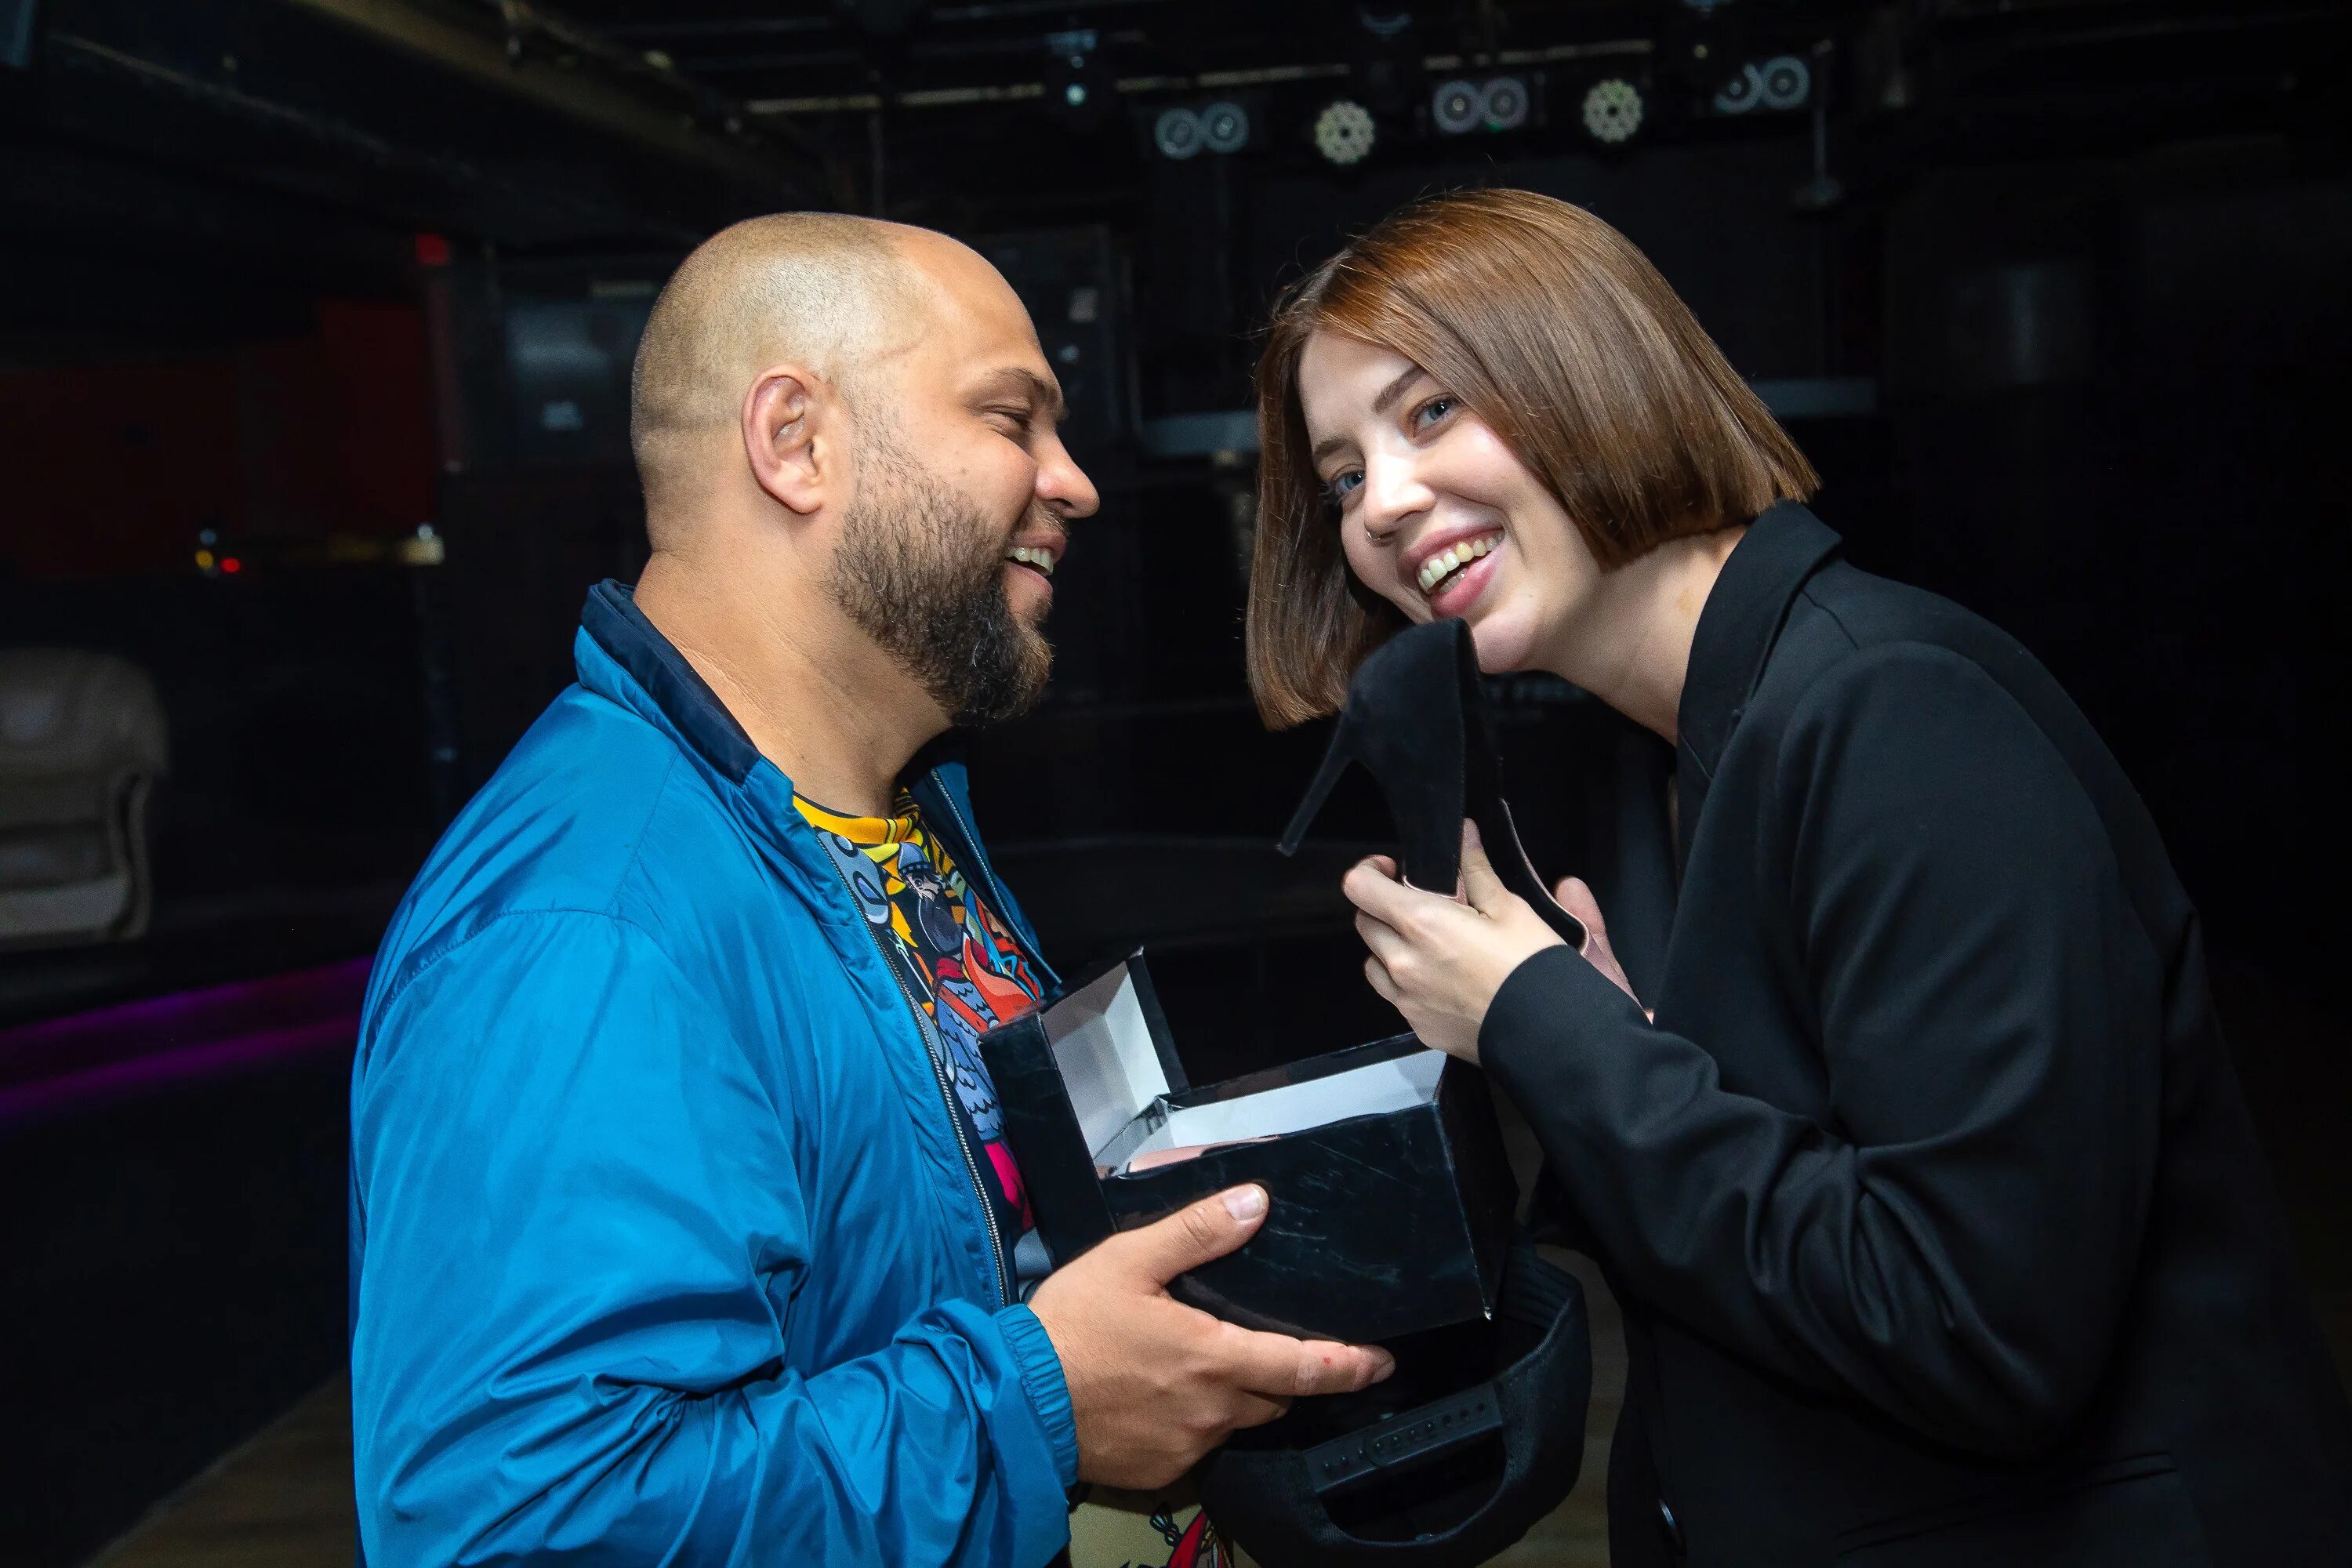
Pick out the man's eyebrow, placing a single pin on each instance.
(1027, 384)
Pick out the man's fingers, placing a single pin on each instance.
(1280, 1367)
(1376, 975)
(1256, 1410)
(1578, 899)
(1192, 1235)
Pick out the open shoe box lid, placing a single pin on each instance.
(1111, 1044)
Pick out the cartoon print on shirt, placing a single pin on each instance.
(958, 1032)
(955, 958)
(865, 878)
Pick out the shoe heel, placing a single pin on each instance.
(1336, 757)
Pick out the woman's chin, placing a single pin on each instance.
(1505, 643)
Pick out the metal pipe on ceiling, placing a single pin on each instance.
(705, 127)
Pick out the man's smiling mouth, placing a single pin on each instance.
(1031, 555)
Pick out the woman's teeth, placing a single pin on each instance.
(1030, 555)
(1443, 564)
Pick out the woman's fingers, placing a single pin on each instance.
(1386, 944)
(1578, 899)
(1377, 894)
(1385, 988)
(1484, 890)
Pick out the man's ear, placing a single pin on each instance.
(792, 436)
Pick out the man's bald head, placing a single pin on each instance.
(835, 294)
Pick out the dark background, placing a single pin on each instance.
(2053, 291)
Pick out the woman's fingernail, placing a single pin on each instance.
(1383, 1365)
(1245, 1203)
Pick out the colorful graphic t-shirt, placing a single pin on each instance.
(955, 959)
(960, 965)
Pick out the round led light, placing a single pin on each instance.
(1343, 132)
(1788, 82)
(1613, 110)
(1742, 92)
(1456, 107)
(1226, 127)
(1177, 134)
(1505, 103)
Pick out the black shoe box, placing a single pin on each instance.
(1390, 1197)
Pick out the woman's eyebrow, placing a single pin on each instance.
(1395, 389)
(1381, 405)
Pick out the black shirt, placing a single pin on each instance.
(1930, 1195)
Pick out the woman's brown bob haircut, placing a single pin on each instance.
(1552, 329)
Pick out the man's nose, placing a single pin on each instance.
(1062, 482)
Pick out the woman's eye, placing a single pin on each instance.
(1338, 486)
(1430, 412)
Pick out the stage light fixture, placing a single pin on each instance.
(1788, 82)
(1456, 107)
(1505, 104)
(1344, 132)
(1613, 110)
(1225, 127)
(1177, 133)
(1742, 92)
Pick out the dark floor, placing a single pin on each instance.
(202, 1230)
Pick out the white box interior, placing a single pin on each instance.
(1111, 1067)
(1103, 1047)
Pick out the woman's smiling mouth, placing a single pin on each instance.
(1445, 570)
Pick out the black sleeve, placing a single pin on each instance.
(1953, 1242)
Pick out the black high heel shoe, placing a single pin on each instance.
(1416, 719)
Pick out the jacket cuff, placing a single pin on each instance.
(1548, 1009)
(1042, 1379)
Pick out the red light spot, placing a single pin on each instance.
(231, 564)
(432, 250)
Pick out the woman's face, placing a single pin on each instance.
(1436, 513)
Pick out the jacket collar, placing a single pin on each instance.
(623, 656)
(1742, 619)
(678, 699)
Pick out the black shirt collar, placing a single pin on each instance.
(1737, 629)
(612, 617)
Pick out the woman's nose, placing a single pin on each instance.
(1393, 494)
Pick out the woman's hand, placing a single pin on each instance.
(1439, 960)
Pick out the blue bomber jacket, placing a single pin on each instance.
(667, 1244)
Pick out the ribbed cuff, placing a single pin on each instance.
(1048, 1391)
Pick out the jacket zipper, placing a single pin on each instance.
(923, 1029)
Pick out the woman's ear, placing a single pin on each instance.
(789, 438)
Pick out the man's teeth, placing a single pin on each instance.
(1030, 555)
(1441, 566)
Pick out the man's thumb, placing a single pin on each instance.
(1192, 1236)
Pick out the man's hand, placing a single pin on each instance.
(1155, 1385)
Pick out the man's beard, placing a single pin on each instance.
(921, 572)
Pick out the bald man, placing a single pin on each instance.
(682, 1230)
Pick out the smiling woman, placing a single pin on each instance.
(1570, 352)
